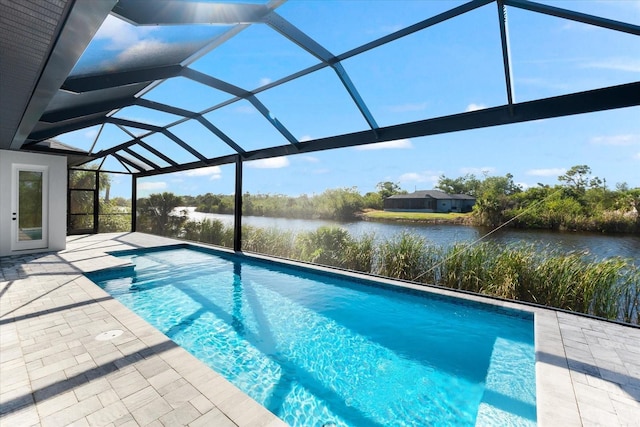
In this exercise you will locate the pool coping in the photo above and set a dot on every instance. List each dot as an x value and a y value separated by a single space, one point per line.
556 385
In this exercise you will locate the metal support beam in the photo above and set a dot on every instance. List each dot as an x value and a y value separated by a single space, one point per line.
207 80
111 79
96 203
156 152
131 163
133 124
298 37
213 129
506 53
165 108
143 159
241 94
272 119
429 22
237 211
134 203
184 145
190 114
355 96
64 128
87 110
627 95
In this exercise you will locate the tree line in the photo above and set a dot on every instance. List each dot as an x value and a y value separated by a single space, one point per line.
579 201
332 204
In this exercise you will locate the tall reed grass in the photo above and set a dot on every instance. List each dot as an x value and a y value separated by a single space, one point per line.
607 288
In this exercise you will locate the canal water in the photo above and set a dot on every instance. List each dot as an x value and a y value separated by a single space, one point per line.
598 246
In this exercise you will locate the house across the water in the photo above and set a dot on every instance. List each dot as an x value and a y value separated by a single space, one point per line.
429 201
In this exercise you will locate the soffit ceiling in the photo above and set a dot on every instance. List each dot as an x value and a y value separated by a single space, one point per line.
144 78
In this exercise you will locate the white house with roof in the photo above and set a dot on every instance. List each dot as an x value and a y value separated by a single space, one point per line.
429 201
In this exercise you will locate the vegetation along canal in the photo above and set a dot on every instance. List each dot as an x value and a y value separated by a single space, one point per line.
593 244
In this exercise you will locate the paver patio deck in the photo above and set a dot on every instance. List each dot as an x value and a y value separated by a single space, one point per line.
54 372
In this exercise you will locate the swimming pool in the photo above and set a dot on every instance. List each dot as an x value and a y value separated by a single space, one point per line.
322 349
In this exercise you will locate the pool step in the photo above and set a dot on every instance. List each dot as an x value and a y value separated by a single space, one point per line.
503 402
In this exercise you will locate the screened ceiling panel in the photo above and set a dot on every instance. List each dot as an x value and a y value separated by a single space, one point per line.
111 164
202 139
120 46
132 163
140 150
561 59
242 122
82 139
355 25
169 148
67 100
185 93
146 115
110 135
400 80
278 58
325 109
135 131
201 81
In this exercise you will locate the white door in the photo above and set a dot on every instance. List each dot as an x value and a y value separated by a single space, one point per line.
30 195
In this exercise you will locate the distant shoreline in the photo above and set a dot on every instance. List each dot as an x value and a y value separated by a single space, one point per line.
416 217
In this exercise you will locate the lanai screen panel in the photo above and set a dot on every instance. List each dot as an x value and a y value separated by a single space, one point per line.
267 79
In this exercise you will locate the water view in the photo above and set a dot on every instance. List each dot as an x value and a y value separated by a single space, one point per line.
599 246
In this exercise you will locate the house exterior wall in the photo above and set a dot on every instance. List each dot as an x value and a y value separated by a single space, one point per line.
444 205
57 198
428 204
410 205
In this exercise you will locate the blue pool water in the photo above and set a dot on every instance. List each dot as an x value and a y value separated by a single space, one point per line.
316 348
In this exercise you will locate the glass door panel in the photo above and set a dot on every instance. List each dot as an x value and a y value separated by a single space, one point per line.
29 214
30 205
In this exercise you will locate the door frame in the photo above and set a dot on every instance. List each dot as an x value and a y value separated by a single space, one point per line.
16 243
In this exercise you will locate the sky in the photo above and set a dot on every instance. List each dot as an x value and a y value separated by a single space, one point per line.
452 67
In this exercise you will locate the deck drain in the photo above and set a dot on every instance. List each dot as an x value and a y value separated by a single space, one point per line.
109 335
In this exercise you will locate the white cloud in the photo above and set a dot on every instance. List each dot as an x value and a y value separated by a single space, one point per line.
121 34
475 107
631 65
404 108
546 172
478 171
305 138
264 81
144 48
628 139
571 25
427 176
637 156
149 186
213 172
310 159
523 185
245 109
388 145
91 133
272 163
547 84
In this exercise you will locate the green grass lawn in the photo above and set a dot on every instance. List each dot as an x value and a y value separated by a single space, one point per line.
414 216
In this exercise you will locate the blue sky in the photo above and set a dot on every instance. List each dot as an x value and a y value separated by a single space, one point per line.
450 68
